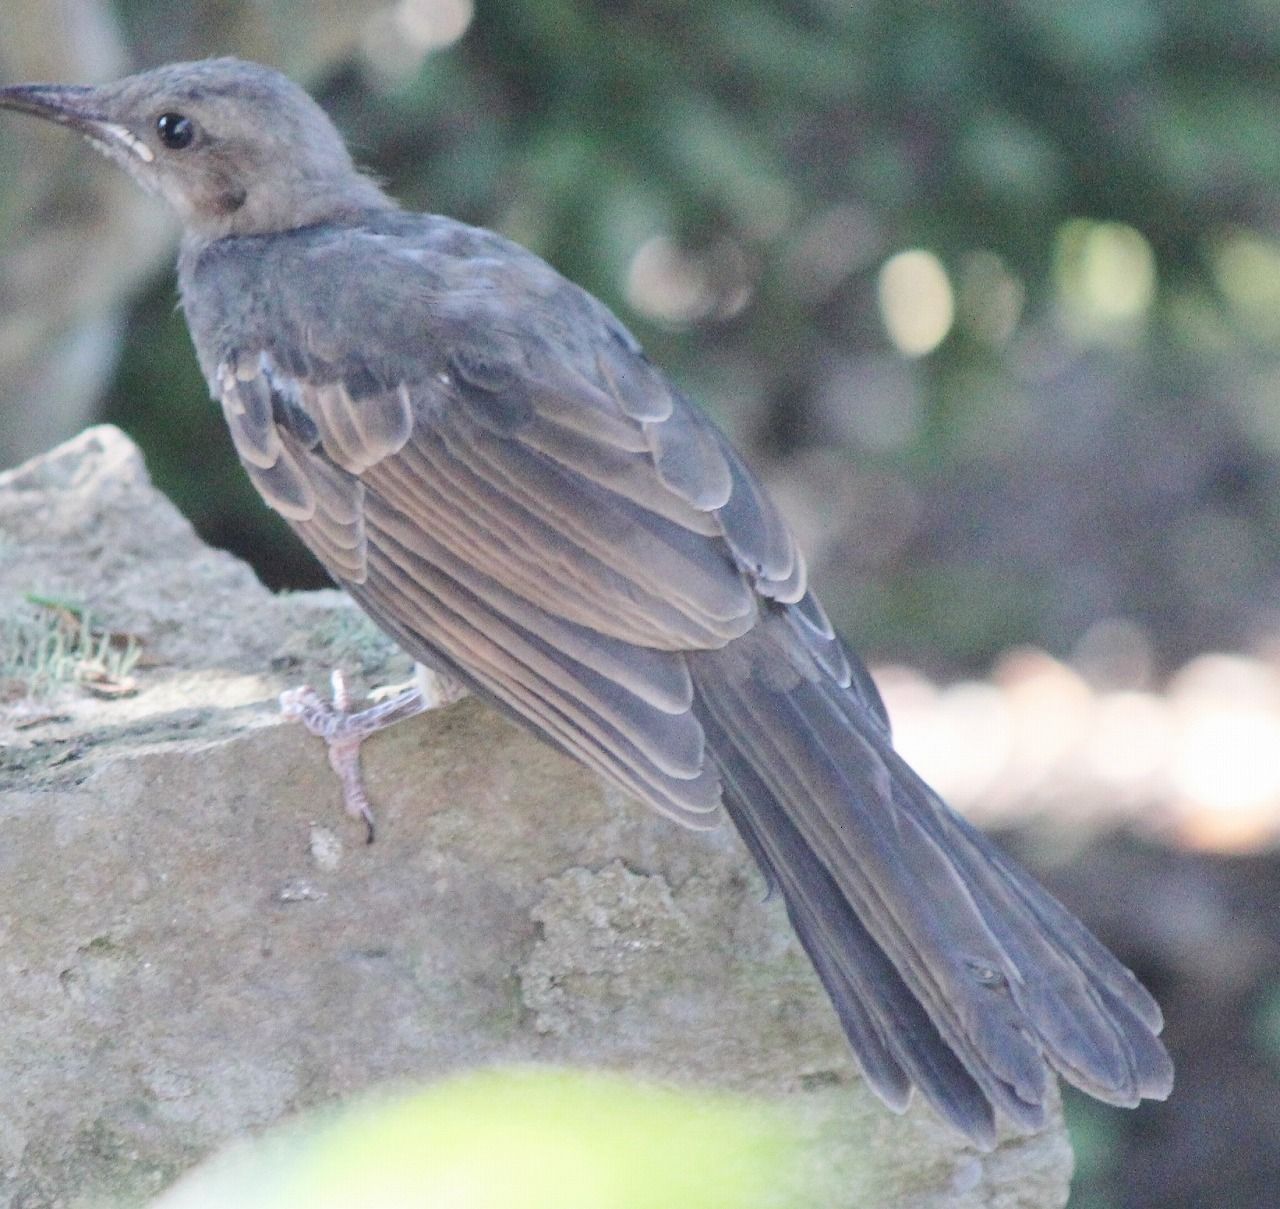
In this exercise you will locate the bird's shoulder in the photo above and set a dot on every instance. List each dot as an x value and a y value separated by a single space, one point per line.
400 283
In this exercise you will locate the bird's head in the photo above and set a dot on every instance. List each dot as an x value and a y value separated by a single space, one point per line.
234 147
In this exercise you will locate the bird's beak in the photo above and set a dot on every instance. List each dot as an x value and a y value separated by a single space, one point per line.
77 106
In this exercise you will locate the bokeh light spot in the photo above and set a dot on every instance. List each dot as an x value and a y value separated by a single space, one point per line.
398 39
667 284
991 298
917 303
1106 275
1247 270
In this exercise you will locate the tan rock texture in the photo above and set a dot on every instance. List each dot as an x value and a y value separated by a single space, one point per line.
196 942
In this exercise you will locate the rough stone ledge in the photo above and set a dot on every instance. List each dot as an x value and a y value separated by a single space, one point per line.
196 942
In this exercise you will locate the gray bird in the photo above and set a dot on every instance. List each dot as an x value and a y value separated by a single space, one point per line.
483 457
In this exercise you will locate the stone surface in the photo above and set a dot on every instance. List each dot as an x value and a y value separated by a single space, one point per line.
195 942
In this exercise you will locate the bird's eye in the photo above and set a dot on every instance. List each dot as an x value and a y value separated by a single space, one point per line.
175 131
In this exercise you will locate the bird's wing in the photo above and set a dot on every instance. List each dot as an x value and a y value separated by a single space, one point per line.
559 534
524 500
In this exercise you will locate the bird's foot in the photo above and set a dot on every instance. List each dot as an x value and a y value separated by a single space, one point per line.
344 728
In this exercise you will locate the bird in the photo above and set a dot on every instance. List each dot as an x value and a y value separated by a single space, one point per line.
482 455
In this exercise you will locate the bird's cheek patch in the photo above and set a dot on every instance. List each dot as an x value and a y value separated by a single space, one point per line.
224 190
231 199
207 190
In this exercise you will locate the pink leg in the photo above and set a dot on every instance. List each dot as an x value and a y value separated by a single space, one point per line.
344 728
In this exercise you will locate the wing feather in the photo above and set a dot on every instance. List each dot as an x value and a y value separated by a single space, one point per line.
659 678
628 472
530 555
507 666
463 537
649 550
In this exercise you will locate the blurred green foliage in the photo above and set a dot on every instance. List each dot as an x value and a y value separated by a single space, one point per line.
1058 459
1093 1139
1267 1025
536 1139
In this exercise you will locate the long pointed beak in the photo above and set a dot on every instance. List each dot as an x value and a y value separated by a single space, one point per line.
76 106
68 104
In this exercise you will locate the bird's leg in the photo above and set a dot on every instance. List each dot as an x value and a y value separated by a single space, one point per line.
344 728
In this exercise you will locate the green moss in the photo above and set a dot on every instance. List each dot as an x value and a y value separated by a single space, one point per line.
347 639
48 643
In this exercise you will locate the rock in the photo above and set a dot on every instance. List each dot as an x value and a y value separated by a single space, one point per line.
196 941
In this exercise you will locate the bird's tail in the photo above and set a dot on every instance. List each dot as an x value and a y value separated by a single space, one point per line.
950 969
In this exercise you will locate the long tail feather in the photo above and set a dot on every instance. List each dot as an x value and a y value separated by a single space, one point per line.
949 968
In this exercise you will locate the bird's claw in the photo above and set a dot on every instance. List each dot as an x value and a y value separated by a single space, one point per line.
344 728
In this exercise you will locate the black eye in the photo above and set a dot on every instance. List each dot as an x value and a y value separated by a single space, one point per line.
175 131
